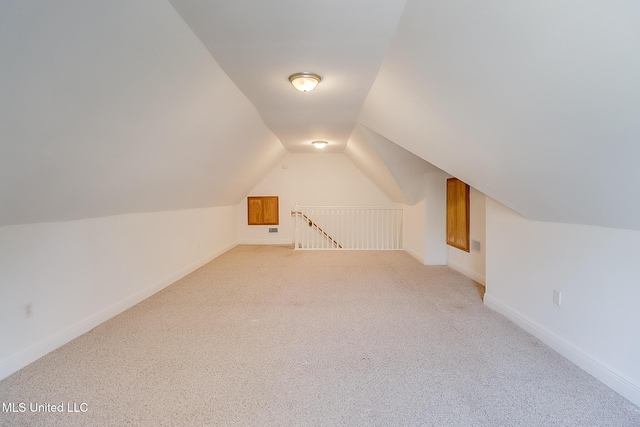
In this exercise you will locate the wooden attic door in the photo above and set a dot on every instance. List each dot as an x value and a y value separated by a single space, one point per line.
458 214
263 210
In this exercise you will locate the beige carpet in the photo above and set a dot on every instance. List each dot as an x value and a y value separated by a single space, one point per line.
267 335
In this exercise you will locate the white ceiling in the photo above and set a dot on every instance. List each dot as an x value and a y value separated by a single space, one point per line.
120 107
110 109
536 104
399 173
260 43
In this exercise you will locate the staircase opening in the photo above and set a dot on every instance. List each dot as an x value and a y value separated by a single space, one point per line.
344 227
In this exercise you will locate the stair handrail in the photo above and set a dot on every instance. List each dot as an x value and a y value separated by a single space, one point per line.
310 223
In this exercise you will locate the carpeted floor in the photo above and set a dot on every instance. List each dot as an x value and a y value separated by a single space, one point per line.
269 336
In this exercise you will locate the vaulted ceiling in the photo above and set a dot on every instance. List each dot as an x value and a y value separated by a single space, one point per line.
536 104
109 108
260 43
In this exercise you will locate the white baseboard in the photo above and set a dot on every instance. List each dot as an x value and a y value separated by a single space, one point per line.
34 353
599 370
415 254
469 273
266 242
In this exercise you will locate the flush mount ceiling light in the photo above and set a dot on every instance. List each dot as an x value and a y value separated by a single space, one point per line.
319 144
305 82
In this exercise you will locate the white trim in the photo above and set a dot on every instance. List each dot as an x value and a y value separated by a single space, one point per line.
469 273
35 352
415 254
609 376
266 242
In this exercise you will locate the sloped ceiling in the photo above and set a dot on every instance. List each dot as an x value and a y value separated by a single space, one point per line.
536 104
260 43
108 109
117 107
396 171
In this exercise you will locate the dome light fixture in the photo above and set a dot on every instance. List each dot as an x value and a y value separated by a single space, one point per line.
320 144
305 82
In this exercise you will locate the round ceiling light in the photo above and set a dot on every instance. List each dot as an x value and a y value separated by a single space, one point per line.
305 82
319 144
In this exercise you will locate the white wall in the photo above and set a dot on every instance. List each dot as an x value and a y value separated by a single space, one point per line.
425 227
318 179
436 217
472 264
597 271
77 274
414 230
425 223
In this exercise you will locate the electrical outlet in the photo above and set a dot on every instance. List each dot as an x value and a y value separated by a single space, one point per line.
28 310
557 297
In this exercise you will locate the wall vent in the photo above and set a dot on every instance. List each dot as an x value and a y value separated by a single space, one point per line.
273 230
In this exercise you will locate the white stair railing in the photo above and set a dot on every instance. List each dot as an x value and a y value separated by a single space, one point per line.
344 227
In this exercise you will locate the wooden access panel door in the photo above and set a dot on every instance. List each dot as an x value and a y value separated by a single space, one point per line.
458 214
263 210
